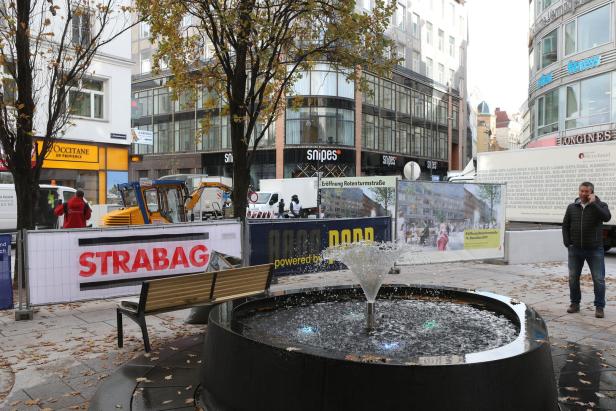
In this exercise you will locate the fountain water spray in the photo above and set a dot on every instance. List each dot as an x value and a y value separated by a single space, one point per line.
369 262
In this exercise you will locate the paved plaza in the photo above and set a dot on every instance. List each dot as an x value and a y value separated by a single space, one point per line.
58 360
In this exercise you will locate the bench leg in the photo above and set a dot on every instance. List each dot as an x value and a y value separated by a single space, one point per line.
120 329
144 332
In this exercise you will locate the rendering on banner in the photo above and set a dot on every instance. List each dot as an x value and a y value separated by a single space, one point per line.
451 222
352 197
294 247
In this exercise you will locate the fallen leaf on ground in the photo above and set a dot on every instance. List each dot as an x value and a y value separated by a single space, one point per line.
598 394
571 389
168 377
167 402
585 382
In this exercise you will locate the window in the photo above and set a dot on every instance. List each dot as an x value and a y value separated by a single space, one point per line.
429 67
320 125
429 33
589 31
547 113
451 77
186 20
461 25
452 46
82 24
572 107
399 16
452 13
594 101
415 61
367 4
185 135
146 61
415 25
87 99
531 61
8 87
145 30
443 9
441 73
548 49
441 40
543 4
142 174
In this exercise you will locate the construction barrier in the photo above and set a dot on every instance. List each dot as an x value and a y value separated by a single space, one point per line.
73 265
294 246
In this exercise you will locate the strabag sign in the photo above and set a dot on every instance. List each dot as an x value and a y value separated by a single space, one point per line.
74 265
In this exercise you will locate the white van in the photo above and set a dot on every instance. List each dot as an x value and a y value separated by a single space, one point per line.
44 216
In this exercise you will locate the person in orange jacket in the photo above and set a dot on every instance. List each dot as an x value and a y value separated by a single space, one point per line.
76 211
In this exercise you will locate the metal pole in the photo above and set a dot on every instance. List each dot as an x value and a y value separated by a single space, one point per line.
319 174
370 317
18 255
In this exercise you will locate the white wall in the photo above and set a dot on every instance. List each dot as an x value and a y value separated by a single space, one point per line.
534 246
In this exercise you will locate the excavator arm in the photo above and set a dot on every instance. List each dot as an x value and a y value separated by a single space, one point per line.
195 196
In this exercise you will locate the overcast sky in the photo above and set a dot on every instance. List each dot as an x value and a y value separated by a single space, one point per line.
498 53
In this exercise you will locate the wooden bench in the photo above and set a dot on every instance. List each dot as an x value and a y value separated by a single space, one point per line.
185 291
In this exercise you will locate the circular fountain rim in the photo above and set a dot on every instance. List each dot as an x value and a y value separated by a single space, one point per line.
527 320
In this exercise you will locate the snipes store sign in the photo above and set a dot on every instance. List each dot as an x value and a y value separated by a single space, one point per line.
597 137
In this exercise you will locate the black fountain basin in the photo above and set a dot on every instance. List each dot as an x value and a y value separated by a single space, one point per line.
242 371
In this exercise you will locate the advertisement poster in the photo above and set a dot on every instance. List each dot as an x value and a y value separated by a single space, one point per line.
294 247
449 221
74 265
351 197
6 288
113 179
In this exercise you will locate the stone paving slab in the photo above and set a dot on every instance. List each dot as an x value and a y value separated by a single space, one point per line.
74 345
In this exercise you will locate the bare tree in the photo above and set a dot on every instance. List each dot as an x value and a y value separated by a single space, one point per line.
259 48
46 49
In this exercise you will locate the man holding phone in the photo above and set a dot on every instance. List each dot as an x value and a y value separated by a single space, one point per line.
583 236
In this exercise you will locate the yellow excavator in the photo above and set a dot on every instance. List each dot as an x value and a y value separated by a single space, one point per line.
166 202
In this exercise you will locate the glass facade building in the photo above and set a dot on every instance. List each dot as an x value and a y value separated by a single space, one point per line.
416 114
572 90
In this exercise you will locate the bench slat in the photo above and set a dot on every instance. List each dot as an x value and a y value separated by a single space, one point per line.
180 288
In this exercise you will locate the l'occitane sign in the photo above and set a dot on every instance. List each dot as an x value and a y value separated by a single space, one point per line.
71 152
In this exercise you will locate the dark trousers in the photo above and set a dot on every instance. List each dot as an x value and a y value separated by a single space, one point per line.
595 257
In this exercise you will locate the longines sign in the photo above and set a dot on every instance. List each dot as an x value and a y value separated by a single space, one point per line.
558 11
597 137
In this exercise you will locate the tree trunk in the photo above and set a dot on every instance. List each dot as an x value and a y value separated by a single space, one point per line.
26 191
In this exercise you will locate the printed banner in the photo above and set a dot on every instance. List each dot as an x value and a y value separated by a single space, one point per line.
353 197
450 221
73 265
144 137
295 246
6 284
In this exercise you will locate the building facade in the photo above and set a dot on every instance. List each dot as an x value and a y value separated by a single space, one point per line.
572 91
419 114
92 154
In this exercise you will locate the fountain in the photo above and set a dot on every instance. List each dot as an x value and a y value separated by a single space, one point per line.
328 349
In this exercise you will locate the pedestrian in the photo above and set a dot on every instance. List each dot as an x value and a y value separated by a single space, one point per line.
281 208
583 236
295 207
76 211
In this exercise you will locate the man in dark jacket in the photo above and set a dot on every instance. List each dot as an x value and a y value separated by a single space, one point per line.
76 211
583 236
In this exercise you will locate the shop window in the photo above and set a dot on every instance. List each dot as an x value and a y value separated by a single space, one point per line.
595 99
371 94
185 135
323 83
163 172
368 131
548 49
320 125
589 30
547 113
162 101
588 102
142 174
163 138
87 98
81 27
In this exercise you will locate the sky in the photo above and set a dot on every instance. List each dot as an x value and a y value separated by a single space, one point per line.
498 53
